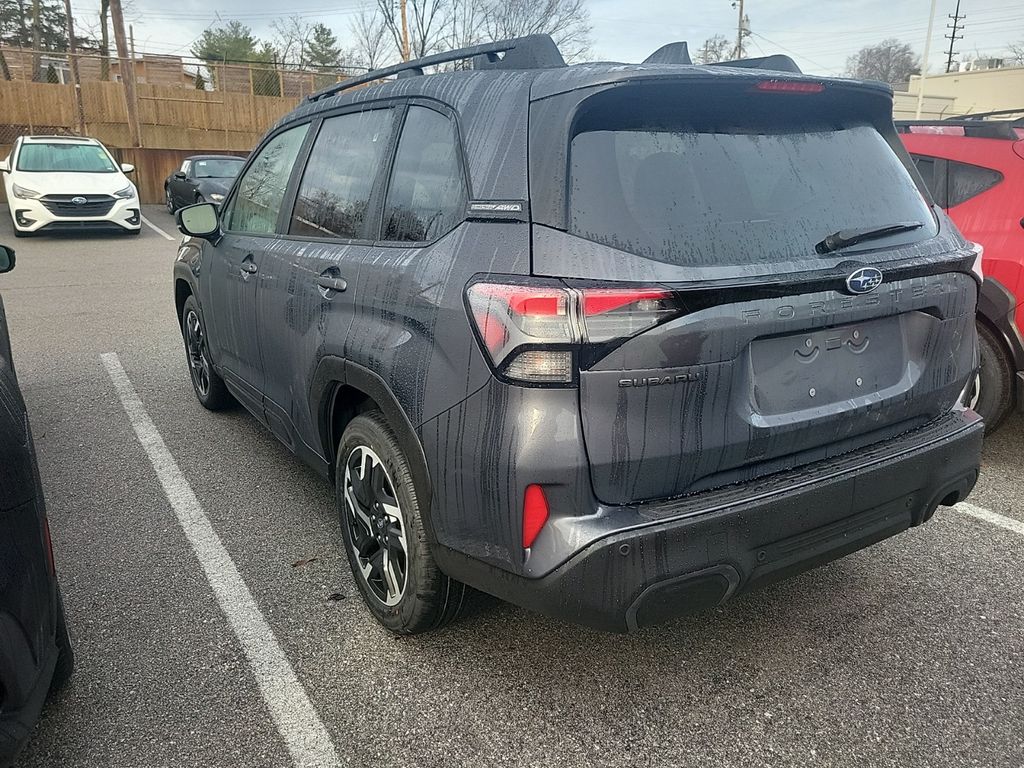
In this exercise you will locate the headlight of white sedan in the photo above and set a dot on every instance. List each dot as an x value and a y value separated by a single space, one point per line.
125 194
217 197
24 193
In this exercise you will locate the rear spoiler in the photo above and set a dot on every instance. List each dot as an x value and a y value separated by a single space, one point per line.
776 62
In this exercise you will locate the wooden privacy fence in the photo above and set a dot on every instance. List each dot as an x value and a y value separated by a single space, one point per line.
175 122
169 117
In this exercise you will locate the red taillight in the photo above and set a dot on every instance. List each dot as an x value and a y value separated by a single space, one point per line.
599 300
789 86
531 329
535 514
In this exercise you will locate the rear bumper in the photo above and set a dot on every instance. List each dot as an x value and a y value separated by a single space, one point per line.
688 554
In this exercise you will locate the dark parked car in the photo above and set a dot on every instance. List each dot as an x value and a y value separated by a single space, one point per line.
612 342
35 648
201 178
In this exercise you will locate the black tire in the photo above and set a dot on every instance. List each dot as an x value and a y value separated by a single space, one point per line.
65 649
994 396
428 599
209 387
169 201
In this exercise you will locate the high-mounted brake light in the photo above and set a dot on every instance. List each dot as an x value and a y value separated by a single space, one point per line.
535 514
789 86
531 329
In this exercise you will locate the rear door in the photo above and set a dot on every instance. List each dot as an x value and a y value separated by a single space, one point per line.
308 289
250 224
768 349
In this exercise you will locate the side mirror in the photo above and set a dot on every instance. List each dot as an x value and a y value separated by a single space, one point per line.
180 175
200 220
5 167
127 168
6 259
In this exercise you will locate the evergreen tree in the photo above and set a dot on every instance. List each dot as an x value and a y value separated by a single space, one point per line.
323 50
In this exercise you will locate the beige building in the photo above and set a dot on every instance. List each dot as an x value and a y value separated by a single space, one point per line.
963 93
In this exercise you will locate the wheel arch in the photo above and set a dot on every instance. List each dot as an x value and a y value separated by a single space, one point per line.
340 391
182 290
996 306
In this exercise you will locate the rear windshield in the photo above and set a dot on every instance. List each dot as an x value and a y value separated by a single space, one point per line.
61 157
738 198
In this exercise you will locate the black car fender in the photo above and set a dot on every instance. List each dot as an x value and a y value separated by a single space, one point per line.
333 373
996 305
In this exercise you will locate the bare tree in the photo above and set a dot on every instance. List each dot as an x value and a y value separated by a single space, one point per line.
1015 53
291 39
465 24
890 61
567 21
426 24
370 35
716 48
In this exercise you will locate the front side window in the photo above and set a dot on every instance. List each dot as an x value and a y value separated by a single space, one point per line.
64 157
334 194
255 207
427 195
185 166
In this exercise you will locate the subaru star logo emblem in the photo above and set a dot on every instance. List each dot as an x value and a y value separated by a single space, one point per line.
79 200
864 280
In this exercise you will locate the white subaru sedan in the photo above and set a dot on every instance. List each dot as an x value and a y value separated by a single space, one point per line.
68 183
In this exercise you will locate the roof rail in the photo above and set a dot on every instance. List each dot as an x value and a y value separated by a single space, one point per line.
983 115
673 53
530 52
776 62
975 129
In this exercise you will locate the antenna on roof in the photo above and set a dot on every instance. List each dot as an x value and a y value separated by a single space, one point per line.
673 53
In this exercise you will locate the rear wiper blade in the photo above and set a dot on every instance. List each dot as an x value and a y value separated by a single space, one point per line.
846 237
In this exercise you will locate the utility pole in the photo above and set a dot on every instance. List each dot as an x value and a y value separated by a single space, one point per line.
924 61
127 73
73 68
35 41
405 33
953 36
742 28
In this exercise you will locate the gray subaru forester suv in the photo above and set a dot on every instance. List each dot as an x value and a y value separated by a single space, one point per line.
612 342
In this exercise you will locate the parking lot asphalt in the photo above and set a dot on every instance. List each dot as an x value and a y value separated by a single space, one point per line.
906 654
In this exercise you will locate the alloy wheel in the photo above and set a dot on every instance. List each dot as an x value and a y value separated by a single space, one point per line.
198 358
375 524
169 200
974 394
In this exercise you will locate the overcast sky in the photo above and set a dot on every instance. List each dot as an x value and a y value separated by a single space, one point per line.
819 34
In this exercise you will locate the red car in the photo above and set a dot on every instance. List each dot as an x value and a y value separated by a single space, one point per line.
974 168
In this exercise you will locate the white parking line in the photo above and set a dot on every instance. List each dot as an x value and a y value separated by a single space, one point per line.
994 518
156 229
293 713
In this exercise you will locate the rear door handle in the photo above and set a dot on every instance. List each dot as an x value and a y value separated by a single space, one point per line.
249 266
330 282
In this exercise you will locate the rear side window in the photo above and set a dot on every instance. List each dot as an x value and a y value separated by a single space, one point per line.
691 197
255 207
335 191
427 195
933 171
967 181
